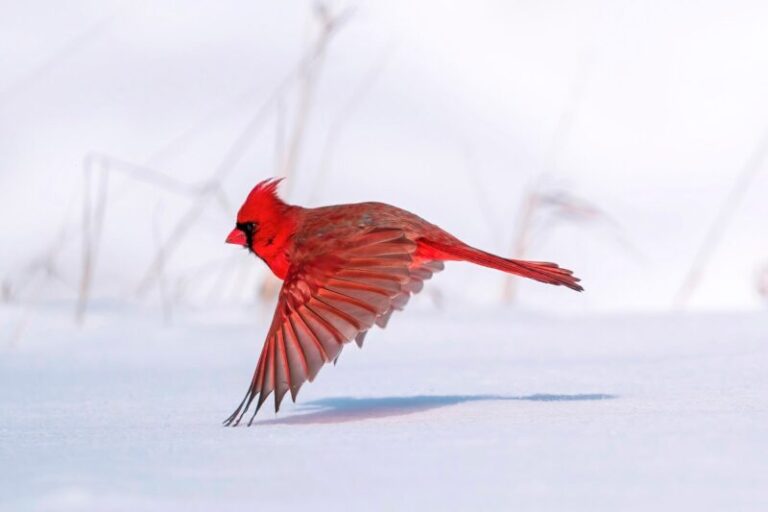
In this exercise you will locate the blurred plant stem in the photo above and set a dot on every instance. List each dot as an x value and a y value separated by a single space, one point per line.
722 221
521 241
308 78
96 169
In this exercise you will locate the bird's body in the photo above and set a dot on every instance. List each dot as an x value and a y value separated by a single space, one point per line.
345 269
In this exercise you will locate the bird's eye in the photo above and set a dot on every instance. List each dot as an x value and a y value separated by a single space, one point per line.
247 227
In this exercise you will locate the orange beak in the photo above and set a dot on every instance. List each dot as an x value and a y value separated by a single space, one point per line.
237 237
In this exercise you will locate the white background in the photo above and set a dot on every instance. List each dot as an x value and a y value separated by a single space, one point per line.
647 110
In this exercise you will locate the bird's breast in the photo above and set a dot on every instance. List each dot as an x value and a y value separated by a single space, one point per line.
277 259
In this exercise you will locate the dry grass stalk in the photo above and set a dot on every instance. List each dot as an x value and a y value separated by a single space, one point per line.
762 282
536 200
97 168
541 210
93 221
521 241
241 144
308 77
6 291
165 298
722 222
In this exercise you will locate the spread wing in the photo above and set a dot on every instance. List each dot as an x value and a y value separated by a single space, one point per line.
419 271
328 299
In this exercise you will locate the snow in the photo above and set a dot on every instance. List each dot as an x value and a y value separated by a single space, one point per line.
454 409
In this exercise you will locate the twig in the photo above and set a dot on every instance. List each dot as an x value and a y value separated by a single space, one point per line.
762 282
193 213
162 279
521 240
722 222
145 174
178 142
569 113
279 134
532 199
241 144
6 291
308 77
93 221
484 203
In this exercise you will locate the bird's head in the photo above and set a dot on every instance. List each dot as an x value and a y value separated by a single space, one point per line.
262 220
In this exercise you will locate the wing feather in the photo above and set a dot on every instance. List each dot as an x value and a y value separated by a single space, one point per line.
331 298
419 272
268 374
297 359
313 348
282 370
343 325
361 316
329 338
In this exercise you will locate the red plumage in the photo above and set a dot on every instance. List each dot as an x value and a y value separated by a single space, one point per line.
345 269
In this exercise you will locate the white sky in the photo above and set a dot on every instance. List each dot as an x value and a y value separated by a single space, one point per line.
666 102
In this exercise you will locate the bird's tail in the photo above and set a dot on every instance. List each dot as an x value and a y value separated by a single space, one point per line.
545 272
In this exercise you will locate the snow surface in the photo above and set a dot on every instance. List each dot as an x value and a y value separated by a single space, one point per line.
448 410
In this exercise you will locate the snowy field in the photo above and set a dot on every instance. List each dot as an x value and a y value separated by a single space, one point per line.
446 410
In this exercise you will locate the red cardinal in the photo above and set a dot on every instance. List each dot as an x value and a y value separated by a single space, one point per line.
345 268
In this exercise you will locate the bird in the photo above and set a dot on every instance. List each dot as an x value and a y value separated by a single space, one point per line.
345 269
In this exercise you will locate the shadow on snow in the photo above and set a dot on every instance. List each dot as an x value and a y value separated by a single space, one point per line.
346 409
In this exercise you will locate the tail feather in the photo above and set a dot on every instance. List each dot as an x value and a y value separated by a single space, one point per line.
543 271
